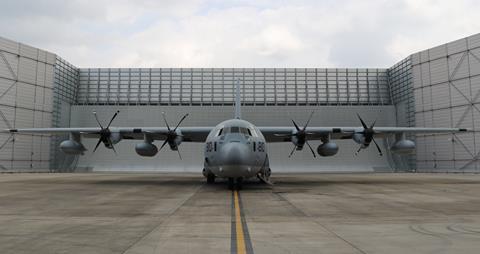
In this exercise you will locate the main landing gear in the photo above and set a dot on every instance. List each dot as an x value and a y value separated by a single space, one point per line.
210 178
235 183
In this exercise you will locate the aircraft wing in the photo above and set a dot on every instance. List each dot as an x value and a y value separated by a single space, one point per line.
284 134
189 134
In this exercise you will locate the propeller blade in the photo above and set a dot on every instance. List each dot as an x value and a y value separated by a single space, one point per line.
111 145
181 120
179 155
373 124
360 148
311 149
98 143
363 123
308 121
296 126
291 153
113 117
96 118
164 143
165 120
378 147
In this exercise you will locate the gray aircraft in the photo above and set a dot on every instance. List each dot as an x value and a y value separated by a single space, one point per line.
236 149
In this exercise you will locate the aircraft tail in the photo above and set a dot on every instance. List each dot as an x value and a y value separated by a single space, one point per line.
238 111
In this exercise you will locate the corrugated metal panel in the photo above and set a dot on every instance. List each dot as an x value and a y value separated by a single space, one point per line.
453 62
424 56
460 92
22 165
39 97
437 52
8 45
25 95
427 98
443 147
475 86
474 60
12 63
418 99
428 116
417 76
8 97
8 114
37 148
425 67
420 119
51 58
45 152
22 147
40 74
439 71
441 118
473 41
23 118
464 146
462 117
28 51
444 166
42 55
7 141
415 58
48 100
49 76
47 120
421 150
38 122
441 96
457 46
27 70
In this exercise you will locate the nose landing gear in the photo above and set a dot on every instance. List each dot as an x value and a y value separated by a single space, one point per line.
235 183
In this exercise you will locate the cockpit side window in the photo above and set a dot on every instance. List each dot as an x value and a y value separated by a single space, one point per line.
220 132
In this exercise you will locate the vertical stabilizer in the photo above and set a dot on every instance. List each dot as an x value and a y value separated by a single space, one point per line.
238 111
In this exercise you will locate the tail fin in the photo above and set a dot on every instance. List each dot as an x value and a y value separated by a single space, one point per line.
238 111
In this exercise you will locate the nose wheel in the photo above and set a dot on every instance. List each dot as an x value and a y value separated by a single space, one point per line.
235 183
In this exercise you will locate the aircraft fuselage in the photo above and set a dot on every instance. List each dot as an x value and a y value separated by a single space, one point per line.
235 149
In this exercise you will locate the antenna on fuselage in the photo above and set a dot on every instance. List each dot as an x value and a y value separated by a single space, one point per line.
238 111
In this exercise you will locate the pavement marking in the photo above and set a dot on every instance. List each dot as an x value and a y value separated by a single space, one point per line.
241 243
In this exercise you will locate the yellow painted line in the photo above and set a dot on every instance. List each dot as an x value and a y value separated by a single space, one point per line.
241 247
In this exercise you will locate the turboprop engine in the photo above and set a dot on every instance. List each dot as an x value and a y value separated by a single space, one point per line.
327 149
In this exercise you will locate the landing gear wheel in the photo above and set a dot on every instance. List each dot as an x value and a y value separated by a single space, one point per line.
231 183
239 183
210 178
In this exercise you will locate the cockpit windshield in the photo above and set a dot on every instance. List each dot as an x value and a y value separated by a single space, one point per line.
235 129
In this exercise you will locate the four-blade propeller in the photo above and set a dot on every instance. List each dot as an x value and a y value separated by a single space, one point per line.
301 136
171 135
368 133
105 133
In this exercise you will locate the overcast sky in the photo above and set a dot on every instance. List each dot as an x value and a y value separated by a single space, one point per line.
250 33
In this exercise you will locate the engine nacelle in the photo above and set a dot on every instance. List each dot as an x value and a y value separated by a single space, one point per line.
359 138
146 149
115 137
403 146
72 147
327 149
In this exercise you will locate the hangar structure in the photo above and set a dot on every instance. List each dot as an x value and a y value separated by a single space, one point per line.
437 87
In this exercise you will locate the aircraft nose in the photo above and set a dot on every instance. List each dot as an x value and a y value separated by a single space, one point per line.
235 154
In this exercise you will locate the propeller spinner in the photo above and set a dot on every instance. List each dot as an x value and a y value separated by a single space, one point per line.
105 133
171 135
301 136
368 133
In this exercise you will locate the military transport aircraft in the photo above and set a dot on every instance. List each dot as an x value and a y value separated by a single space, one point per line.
235 149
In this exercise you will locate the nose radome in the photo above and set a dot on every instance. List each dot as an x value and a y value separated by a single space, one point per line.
234 154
